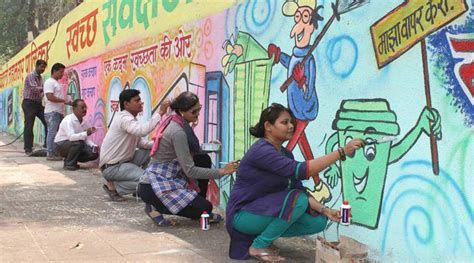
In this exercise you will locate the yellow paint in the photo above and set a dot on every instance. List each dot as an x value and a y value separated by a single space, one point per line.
409 23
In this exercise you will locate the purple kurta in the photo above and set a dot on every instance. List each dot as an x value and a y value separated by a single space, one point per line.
268 183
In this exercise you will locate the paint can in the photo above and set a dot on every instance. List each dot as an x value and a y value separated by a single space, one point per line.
345 213
205 221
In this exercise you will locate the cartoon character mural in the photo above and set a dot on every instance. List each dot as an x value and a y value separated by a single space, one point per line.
363 174
252 76
302 96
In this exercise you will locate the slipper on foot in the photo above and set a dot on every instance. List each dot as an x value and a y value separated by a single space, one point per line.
215 218
156 216
267 257
114 196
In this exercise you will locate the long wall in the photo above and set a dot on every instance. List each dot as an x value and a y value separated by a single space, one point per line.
386 68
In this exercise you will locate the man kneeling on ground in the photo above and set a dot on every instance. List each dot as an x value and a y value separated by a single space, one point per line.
121 162
72 141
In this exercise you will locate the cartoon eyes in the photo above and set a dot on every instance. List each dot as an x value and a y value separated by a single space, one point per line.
348 139
369 151
305 15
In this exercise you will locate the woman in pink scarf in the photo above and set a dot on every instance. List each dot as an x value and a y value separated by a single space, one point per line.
169 183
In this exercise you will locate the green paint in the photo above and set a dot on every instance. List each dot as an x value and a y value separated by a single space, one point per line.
170 5
142 13
154 8
252 76
111 7
364 174
125 22
459 157
129 11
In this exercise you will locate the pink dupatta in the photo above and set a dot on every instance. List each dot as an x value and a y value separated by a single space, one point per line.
160 130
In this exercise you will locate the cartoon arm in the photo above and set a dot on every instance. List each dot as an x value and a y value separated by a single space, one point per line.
333 173
279 57
285 59
422 126
310 72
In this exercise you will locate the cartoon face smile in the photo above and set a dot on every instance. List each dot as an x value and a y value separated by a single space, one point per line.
300 36
363 175
360 183
303 28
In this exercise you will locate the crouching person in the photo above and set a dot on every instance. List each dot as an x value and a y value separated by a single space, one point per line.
72 141
124 150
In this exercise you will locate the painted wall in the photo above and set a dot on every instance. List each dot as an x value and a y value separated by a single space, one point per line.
365 79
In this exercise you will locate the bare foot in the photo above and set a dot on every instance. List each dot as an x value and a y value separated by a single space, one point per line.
265 255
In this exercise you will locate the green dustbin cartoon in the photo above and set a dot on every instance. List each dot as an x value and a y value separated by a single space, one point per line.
363 174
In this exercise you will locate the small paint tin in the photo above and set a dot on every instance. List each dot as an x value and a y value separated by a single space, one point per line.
345 213
204 221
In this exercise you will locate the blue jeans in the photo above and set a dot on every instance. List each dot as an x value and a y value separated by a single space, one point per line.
53 119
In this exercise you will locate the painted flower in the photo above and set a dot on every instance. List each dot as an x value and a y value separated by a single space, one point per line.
233 52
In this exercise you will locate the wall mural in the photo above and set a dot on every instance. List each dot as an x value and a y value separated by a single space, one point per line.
346 68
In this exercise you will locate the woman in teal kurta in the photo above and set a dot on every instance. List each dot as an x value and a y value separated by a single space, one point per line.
268 200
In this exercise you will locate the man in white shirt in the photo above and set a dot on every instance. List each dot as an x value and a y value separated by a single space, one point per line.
72 139
54 108
121 162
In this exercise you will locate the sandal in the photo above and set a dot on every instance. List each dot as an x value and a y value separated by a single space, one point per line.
156 216
114 196
267 257
215 218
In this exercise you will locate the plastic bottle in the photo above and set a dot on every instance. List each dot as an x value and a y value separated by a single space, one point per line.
345 213
205 221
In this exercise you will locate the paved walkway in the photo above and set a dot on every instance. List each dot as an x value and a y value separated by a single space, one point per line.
48 214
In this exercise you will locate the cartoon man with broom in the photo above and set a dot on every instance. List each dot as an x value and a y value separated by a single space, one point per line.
301 83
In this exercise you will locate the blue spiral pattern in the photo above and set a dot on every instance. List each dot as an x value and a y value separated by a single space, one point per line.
342 54
257 16
434 210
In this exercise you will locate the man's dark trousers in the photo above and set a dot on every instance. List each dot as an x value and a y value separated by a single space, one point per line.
32 109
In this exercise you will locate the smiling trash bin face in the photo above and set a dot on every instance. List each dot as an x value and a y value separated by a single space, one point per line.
364 173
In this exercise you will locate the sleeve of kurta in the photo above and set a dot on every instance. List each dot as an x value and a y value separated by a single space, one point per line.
181 148
269 159
294 183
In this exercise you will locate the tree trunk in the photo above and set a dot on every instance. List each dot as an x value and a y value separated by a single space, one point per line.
31 18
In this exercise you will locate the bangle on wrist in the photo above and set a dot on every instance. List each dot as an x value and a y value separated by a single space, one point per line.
342 154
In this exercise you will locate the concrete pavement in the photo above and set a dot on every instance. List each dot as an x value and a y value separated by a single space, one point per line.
49 214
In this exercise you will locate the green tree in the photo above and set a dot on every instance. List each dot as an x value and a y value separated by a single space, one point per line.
18 17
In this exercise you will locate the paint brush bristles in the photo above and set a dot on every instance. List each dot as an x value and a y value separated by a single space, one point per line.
344 6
